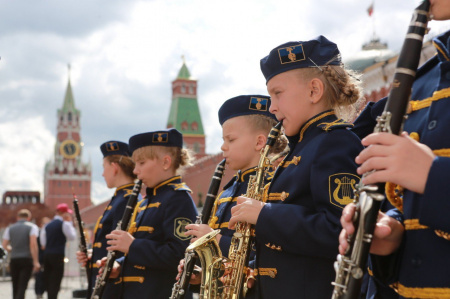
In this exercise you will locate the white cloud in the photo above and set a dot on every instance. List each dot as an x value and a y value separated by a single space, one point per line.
25 146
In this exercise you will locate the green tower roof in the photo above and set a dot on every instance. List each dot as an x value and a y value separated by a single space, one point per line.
184 72
69 103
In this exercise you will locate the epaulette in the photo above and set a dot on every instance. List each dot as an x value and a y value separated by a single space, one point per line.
180 187
337 124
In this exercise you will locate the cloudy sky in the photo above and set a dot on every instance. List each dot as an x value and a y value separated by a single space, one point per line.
124 55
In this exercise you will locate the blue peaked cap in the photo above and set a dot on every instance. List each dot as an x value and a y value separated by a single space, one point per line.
170 137
301 54
114 147
245 105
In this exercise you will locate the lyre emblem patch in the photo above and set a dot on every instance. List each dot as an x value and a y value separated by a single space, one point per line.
291 54
160 137
259 104
179 228
112 146
341 188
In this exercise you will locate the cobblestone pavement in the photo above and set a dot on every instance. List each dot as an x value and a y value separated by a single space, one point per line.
68 285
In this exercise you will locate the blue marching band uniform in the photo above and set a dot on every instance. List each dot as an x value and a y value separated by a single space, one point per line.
238 106
150 267
108 221
151 264
422 264
297 230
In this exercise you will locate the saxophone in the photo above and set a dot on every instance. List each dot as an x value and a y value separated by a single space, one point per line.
234 283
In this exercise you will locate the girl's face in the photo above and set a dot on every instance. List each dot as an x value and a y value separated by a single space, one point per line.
291 100
150 171
240 144
109 172
440 9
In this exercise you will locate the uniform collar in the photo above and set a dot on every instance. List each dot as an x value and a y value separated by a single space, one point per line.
176 179
327 116
123 187
242 176
442 44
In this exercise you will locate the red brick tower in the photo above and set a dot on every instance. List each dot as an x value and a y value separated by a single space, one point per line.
66 173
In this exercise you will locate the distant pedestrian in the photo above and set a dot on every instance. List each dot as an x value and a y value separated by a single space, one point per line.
53 239
39 284
20 240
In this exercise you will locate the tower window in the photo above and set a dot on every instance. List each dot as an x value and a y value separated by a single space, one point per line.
191 88
194 126
69 116
184 126
183 88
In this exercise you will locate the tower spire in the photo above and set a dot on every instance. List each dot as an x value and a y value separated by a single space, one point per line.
184 72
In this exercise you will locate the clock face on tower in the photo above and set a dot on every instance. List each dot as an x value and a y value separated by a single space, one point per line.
69 149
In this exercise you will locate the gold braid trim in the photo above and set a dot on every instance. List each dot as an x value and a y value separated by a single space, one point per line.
213 219
442 234
295 161
272 272
421 104
278 196
97 223
306 126
394 194
441 51
422 293
413 224
148 229
133 279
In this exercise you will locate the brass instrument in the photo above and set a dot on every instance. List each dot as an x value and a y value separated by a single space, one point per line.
234 283
191 257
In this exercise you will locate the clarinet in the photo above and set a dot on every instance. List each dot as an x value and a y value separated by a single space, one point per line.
123 225
350 267
82 245
191 257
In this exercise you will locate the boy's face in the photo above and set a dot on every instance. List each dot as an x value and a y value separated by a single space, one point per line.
291 102
150 171
440 9
239 143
